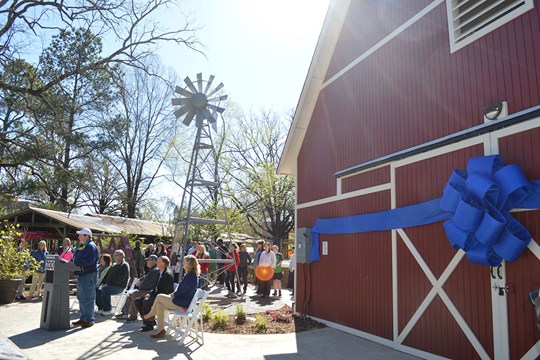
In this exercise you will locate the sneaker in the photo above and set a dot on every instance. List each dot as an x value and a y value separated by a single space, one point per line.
107 313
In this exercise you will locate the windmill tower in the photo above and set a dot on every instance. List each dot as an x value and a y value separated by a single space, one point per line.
202 195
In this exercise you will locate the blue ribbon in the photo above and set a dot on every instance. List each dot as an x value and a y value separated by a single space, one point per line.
475 205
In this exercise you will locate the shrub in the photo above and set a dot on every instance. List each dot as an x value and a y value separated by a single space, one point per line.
260 322
220 319
278 317
240 312
14 264
206 312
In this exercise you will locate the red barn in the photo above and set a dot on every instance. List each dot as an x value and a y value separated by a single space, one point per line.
395 99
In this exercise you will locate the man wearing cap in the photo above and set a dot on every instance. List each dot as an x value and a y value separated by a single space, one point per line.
86 259
144 286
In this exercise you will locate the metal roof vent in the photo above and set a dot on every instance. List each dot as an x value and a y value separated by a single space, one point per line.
468 20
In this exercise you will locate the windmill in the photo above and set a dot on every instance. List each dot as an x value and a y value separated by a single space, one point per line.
202 192
197 103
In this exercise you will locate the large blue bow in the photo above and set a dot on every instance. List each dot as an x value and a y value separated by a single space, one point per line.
480 200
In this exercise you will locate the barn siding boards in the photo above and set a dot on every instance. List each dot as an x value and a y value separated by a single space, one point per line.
412 90
522 277
354 292
367 23
379 201
417 182
524 149
366 179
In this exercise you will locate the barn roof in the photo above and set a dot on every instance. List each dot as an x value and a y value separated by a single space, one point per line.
100 223
313 84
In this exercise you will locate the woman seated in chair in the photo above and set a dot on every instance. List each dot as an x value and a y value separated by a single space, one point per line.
178 300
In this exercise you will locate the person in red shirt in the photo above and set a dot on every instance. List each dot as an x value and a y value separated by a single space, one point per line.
202 254
231 268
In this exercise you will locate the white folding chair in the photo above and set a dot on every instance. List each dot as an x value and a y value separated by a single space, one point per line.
122 297
182 323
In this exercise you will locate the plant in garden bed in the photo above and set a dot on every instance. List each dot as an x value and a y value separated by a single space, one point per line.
220 319
260 322
206 312
286 318
240 314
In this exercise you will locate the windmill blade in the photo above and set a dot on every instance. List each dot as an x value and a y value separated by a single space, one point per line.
215 90
214 123
180 101
183 92
221 98
209 83
199 81
216 108
190 85
179 112
189 117
208 115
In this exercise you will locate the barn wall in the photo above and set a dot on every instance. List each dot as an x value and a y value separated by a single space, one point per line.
355 291
412 90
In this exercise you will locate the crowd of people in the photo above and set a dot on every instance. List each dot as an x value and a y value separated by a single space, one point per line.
99 277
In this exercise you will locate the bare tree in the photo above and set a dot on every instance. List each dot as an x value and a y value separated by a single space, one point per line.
131 25
251 159
143 133
103 188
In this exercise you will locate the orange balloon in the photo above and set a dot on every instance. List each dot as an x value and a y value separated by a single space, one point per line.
264 273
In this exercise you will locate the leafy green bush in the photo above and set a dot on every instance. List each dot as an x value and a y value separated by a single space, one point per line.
14 264
220 319
260 322
206 312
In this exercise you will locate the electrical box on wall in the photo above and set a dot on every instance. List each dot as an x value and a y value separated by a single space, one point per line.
303 245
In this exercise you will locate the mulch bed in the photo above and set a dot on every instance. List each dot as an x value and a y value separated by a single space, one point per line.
280 321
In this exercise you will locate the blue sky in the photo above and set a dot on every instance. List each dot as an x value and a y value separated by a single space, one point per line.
260 50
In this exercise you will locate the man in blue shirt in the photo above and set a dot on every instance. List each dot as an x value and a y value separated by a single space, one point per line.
86 259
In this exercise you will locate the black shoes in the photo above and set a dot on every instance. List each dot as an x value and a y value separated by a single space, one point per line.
147 328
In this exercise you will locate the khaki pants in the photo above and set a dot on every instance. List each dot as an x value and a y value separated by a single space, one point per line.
37 284
130 308
163 302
